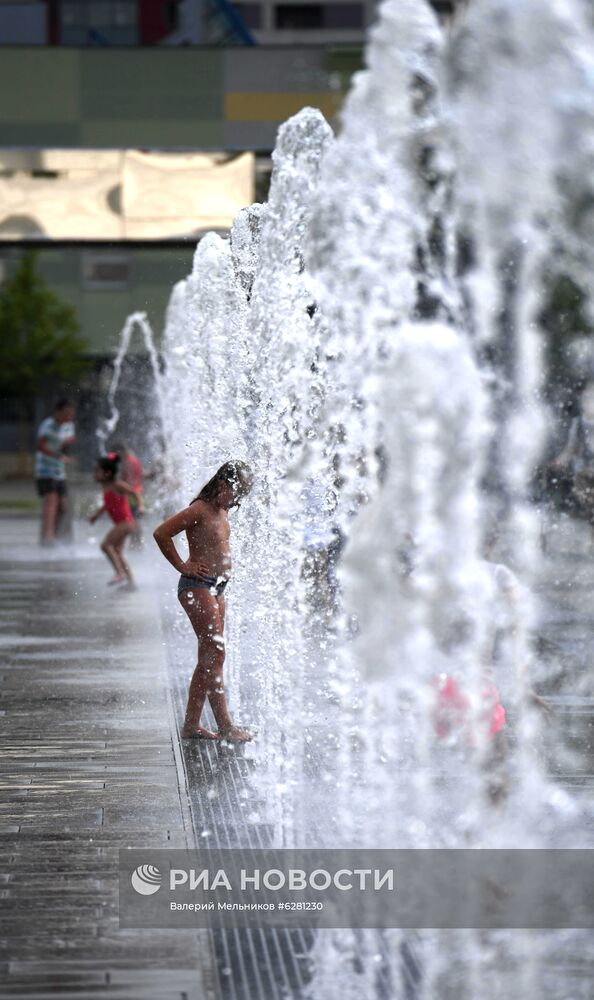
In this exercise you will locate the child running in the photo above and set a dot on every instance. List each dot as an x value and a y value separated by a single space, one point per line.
201 592
117 505
132 471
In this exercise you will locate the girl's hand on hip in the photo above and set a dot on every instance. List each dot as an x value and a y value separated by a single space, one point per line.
192 568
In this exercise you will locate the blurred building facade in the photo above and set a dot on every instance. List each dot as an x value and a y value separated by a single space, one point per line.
181 22
188 22
114 161
130 127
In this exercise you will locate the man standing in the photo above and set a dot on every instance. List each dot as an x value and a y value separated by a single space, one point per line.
54 438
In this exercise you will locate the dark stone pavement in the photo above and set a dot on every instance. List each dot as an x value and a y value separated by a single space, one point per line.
90 763
91 696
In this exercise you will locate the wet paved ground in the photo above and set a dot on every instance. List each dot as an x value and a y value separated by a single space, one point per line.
88 766
91 702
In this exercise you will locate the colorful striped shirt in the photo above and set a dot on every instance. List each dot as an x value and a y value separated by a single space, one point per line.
54 435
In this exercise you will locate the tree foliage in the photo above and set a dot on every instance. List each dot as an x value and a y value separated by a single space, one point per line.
39 335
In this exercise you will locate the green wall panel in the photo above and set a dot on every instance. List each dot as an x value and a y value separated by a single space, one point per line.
39 85
40 134
102 313
148 84
159 133
156 97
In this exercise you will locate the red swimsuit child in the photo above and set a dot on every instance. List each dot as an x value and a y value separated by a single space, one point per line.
117 506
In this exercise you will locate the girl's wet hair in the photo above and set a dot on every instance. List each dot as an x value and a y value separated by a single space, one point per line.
109 463
236 474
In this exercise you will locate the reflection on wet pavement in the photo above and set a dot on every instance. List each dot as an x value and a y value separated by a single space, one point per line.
91 762
88 766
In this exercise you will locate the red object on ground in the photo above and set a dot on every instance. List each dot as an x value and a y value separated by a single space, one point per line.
452 707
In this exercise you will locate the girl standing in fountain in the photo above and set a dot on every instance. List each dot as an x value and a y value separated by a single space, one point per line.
116 503
200 590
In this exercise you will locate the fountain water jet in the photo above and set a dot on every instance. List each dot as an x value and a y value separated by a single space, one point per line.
108 425
304 346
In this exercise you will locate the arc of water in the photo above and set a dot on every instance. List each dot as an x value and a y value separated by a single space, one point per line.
137 320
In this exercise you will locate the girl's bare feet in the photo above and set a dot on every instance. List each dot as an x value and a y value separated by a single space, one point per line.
190 732
235 735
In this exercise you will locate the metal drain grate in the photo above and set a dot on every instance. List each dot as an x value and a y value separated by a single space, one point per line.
264 963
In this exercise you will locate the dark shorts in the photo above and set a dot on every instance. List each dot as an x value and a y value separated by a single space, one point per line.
45 486
215 584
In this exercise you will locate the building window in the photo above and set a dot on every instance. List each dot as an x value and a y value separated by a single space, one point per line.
294 16
113 22
123 14
329 17
23 22
171 14
250 14
344 16
102 271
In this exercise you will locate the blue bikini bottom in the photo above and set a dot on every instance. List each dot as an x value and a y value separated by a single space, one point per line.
216 584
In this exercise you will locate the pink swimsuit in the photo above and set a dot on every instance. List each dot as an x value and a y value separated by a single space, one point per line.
451 710
118 507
